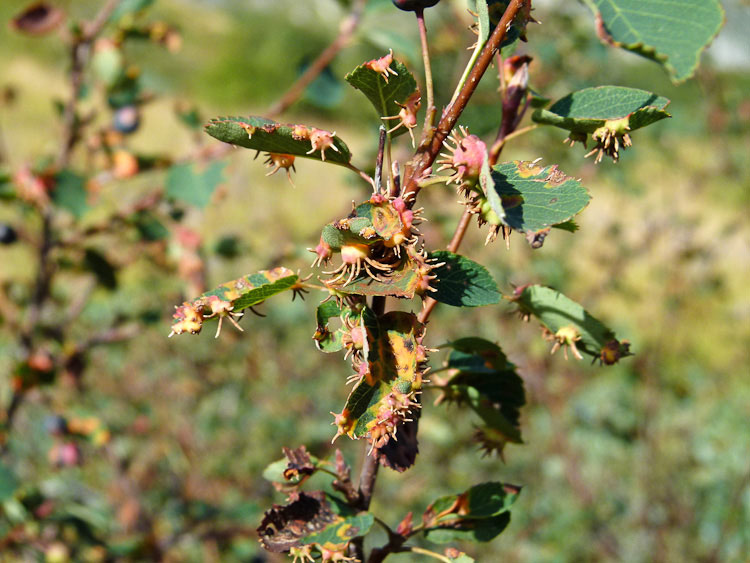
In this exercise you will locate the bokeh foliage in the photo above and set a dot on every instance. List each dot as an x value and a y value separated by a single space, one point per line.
646 461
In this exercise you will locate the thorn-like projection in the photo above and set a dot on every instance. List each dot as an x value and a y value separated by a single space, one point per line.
277 161
564 338
222 309
320 141
465 157
407 116
383 66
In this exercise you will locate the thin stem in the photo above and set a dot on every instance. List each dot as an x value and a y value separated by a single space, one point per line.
364 175
379 161
500 143
80 48
429 553
79 52
346 31
427 153
367 478
429 114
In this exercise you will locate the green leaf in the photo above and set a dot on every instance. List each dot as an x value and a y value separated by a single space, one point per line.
490 12
394 367
326 91
347 526
461 282
384 95
126 7
584 111
490 193
672 33
254 288
488 382
264 134
192 185
232 297
7 189
479 514
8 483
400 282
480 8
483 530
556 311
108 63
536 197
325 340
70 193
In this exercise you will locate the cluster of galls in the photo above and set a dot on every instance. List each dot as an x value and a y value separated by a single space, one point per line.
397 406
328 553
465 158
609 138
375 240
320 140
567 337
189 317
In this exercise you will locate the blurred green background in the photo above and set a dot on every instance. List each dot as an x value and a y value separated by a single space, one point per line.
648 460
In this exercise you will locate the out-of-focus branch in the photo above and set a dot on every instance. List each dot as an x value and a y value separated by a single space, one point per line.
80 51
346 30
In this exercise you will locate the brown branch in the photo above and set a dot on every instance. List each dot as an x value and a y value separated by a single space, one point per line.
80 50
429 150
346 30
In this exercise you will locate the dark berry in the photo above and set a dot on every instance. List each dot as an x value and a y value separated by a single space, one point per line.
414 5
8 234
126 119
55 425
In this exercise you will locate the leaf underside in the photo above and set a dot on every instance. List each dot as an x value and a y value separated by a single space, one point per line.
489 384
555 311
584 111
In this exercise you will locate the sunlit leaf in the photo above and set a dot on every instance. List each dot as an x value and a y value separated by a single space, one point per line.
536 197
584 111
461 282
673 33
384 95
562 316
267 135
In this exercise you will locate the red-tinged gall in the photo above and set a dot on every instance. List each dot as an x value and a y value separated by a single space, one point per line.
321 141
407 116
466 157
383 66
